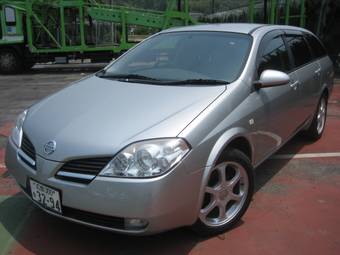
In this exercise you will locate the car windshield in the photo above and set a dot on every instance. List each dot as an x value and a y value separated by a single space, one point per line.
184 57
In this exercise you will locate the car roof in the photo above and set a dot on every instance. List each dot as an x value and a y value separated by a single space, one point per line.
243 28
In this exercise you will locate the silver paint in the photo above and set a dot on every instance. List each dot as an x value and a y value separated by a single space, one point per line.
96 117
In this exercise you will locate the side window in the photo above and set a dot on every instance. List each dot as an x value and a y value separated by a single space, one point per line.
10 16
0 22
274 56
300 49
317 48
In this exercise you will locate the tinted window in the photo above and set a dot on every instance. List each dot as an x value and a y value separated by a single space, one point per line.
316 46
187 55
300 50
0 23
10 16
274 56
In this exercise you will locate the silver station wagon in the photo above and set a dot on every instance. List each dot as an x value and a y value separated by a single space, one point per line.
169 134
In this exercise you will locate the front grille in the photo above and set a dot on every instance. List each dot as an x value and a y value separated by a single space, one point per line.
28 148
94 218
82 170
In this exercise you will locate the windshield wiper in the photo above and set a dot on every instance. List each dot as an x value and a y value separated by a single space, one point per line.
199 82
137 77
126 77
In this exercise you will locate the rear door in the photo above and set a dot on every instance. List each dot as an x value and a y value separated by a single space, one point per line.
320 55
308 72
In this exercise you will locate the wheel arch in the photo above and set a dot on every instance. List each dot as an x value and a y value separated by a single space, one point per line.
325 92
17 48
233 138
242 144
237 138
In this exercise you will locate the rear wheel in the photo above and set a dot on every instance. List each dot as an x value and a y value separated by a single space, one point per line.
319 120
10 62
227 194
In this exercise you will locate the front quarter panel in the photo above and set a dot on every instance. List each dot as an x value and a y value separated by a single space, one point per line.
238 112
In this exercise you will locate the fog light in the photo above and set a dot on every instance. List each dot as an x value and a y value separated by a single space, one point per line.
135 224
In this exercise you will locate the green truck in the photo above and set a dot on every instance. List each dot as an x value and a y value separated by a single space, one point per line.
41 31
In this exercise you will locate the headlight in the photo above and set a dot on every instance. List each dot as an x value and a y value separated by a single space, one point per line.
147 158
17 130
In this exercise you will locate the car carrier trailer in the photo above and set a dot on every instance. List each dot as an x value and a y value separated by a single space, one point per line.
42 31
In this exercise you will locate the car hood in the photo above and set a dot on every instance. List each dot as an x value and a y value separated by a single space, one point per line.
97 117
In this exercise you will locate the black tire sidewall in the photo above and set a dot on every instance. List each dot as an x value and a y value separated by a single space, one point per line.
17 67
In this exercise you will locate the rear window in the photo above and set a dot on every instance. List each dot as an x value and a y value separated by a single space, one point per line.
300 49
317 48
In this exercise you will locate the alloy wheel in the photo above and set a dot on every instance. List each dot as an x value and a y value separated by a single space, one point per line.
321 115
225 194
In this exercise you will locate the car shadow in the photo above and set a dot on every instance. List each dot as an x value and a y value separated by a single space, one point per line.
44 234
270 167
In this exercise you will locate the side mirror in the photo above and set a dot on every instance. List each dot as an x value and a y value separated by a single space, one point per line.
272 78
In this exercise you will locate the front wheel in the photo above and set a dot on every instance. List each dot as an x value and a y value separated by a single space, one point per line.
227 194
10 62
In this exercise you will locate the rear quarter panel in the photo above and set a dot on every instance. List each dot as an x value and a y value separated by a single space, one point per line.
327 74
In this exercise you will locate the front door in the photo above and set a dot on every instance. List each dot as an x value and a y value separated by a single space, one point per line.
280 103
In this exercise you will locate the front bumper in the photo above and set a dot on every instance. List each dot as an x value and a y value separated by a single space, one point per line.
166 202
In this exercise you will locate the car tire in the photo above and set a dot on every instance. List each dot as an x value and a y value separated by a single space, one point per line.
225 202
315 130
10 62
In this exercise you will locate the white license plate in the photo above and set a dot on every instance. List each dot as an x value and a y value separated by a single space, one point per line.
47 197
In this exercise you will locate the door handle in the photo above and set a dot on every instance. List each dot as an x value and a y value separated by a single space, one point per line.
317 72
294 85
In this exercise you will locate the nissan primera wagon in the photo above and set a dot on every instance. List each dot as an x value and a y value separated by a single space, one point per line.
169 134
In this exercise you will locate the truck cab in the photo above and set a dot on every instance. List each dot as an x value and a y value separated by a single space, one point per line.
11 39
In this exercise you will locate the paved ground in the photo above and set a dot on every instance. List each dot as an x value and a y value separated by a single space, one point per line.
296 208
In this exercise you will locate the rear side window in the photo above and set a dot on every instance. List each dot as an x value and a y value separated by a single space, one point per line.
300 49
274 56
317 48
